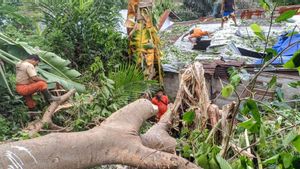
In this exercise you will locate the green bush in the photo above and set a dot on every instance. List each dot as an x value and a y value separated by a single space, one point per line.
186 14
81 32
109 93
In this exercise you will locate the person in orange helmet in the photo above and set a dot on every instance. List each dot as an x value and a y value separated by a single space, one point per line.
28 82
196 33
161 101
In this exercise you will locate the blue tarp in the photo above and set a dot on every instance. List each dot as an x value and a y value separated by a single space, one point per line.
282 43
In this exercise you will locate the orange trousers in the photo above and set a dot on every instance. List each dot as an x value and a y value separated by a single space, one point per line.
28 90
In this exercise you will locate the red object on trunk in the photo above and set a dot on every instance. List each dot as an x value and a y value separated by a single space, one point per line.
162 105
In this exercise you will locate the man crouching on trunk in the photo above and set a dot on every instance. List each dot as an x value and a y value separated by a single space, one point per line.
28 82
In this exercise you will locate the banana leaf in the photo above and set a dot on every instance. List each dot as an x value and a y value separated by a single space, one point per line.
68 84
58 65
3 81
52 67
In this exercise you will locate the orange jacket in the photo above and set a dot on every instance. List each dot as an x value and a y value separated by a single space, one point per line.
162 105
198 33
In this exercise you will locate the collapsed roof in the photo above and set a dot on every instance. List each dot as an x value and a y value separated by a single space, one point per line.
230 43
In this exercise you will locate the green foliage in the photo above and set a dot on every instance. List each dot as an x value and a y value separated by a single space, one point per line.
272 82
4 128
193 146
294 62
286 15
295 84
250 108
13 116
53 68
223 163
283 159
159 8
270 54
82 31
129 83
243 163
258 31
287 159
9 14
122 86
296 143
236 75
285 2
264 4
201 7
227 90
3 80
271 160
188 117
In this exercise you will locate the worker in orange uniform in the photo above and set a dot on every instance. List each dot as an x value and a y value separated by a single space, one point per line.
28 82
196 33
161 101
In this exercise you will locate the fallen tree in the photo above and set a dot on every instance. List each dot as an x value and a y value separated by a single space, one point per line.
35 126
115 141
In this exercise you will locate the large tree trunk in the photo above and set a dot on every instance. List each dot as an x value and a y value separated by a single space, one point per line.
115 141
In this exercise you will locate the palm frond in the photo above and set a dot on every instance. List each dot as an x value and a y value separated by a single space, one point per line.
130 83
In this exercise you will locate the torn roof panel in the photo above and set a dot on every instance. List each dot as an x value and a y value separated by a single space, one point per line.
165 21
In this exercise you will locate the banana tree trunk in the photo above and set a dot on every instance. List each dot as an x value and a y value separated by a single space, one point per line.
144 42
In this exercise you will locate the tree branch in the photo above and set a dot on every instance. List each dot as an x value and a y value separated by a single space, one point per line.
36 126
115 141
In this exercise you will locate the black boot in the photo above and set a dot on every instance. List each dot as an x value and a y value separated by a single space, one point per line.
48 96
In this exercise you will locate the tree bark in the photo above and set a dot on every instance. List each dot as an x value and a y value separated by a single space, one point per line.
157 137
115 141
36 126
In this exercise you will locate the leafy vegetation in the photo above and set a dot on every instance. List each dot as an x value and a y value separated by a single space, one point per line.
85 33
267 129
82 31
122 86
202 8
53 68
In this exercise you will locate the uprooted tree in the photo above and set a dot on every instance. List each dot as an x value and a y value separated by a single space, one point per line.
115 141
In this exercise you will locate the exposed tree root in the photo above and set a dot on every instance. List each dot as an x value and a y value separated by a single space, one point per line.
193 95
227 117
115 141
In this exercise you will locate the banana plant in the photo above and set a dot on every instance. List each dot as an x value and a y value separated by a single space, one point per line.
3 81
144 42
53 68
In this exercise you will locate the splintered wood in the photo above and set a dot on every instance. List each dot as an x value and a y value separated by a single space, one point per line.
193 95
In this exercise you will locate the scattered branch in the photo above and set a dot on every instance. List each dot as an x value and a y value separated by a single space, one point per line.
37 125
